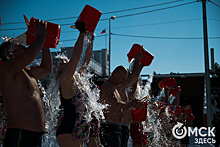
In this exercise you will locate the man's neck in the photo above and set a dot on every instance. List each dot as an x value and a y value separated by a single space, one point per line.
112 82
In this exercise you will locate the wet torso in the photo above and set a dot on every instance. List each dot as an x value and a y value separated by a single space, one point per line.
112 113
22 101
126 113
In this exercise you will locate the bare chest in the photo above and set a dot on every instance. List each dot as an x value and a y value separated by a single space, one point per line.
26 82
21 84
117 95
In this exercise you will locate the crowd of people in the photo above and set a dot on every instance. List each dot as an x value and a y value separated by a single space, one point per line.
24 112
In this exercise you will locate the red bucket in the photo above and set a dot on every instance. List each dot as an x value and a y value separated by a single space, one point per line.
139 114
147 56
191 117
173 91
53 34
175 109
91 17
188 110
4 130
169 82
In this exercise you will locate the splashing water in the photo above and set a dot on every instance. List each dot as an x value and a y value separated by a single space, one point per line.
51 100
158 123
87 40
93 106
21 39
5 39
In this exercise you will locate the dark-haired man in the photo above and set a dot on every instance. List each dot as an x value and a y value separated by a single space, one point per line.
20 91
110 129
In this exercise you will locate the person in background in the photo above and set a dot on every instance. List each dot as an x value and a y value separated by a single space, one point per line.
110 131
139 137
126 97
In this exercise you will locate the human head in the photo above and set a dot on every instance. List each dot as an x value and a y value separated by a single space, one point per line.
10 50
4 46
58 63
119 75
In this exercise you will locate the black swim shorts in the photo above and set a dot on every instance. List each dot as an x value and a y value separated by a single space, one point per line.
22 138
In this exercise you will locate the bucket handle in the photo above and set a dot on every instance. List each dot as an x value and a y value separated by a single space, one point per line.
26 21
142 47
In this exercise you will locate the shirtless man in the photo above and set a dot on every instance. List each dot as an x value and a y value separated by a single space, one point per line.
20 92
110 129
125 97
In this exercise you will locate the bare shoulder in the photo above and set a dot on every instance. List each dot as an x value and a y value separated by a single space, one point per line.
4 74
106 91
107 87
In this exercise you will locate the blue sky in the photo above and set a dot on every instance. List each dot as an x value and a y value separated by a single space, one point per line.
176 55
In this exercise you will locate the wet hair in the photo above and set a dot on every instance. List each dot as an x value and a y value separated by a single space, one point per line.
119 68
56 64
3 46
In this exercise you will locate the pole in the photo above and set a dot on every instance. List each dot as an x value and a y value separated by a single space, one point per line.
207 72
105 39
212 61
109 45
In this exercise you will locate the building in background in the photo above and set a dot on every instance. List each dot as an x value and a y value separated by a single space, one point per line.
99 64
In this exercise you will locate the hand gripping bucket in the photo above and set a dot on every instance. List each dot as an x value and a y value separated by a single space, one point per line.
173 91
53 34
90 16
139 114
147 57
175 109
169 82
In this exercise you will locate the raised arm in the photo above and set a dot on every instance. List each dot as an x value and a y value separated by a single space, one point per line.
166 90
67 79
46 66
17 63
134 86
132 91
86 59
107 96
177 99
134 75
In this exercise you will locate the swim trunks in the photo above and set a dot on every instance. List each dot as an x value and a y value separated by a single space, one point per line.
125 134
22 138
137 134
110 134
